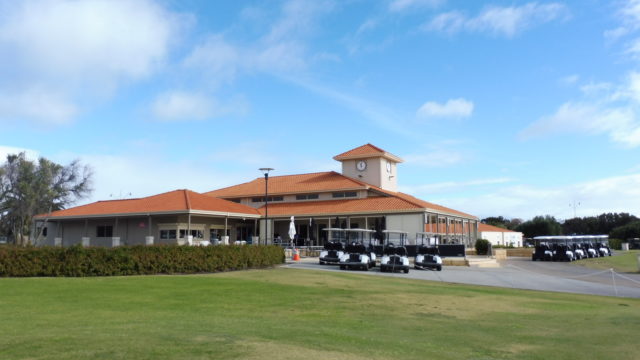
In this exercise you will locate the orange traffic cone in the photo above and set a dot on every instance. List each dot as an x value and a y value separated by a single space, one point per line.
296 256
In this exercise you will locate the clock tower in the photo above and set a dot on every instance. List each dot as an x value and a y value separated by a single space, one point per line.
370 164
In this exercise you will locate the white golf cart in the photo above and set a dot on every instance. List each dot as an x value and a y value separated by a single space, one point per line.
364 237
427 253
394 254
602 244
334 247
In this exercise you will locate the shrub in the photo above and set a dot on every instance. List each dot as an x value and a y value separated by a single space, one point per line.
616 244
482 246
133 260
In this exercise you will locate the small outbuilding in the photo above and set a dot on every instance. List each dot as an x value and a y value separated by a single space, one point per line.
500 236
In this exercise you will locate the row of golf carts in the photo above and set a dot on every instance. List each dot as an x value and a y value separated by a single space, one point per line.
570 248
359 249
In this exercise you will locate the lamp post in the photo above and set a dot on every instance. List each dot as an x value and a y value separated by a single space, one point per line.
266 203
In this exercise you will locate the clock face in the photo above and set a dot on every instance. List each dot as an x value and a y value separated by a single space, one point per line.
361 165
388 167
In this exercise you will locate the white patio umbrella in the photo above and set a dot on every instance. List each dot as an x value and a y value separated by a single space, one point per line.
292 229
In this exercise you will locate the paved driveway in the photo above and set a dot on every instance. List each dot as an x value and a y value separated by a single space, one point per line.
519 273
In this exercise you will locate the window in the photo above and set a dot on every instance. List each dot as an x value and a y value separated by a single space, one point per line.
307 197
271 198
167 234
104 231
345 194
197 234
235 200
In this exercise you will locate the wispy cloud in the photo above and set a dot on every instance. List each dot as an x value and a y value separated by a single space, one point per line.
613 194
613 113
12 150
185 106
505 21
452 186
403 5
569 79
453 108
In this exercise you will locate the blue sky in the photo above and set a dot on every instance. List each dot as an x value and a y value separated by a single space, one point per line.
511 108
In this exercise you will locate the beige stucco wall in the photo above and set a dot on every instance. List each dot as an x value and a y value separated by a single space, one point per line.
375 173
411 223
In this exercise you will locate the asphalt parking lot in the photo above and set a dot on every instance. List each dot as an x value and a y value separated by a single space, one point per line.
519 273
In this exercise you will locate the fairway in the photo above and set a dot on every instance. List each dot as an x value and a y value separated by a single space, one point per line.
623 261
293 314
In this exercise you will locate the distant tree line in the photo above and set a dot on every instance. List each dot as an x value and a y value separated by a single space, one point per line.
617 225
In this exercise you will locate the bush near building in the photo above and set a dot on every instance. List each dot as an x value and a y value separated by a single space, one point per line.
77 261
482 246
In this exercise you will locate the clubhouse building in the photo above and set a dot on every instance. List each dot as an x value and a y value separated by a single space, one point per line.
363 195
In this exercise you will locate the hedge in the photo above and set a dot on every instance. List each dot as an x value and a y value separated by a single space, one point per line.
482 246
134 260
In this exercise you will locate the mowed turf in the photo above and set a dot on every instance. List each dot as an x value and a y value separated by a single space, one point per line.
301 314
622 261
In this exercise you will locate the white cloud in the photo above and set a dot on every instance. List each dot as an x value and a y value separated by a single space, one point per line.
7 150
614 194
452 186
453 108
184 106
435 158
74 49
402 5
629 15
147 174
614 114
570 79
505 21
44 106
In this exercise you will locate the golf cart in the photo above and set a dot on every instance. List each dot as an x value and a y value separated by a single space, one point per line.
587 245
602 245
394 254
561 249
334 247
543 251
427 253
363 236
576 247
355 257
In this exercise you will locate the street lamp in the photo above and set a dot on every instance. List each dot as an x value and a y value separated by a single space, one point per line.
266 203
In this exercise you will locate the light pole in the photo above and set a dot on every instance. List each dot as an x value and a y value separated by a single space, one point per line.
266 203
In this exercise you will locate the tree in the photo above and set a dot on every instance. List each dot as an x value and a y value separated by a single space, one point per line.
539 226
625 232
28 188
502 222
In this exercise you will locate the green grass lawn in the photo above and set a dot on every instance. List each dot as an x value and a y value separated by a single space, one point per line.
301 314
622 261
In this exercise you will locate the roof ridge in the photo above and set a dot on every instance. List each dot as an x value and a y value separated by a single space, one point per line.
186 197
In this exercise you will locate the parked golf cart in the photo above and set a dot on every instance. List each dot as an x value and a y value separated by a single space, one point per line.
602 245
561 250
427 253
334 247
394 254
576 247
543 250
588 245
364 237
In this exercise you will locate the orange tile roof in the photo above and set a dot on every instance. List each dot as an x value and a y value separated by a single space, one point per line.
365 151
291 184
424 204
334 207
490 228
177 200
